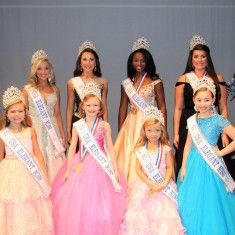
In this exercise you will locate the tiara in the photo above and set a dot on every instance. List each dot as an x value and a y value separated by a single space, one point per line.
204 83
196 40
86 44
152 112
141 43
91 88
39 54
11 96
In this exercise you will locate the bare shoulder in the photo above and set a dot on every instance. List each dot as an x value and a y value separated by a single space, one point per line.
182 78
103 81
107 126
220 77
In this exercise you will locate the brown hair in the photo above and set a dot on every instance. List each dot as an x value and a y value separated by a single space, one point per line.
81 112
164 139
4 122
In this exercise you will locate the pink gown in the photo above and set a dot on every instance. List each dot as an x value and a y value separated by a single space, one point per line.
151 215
24 210
86 204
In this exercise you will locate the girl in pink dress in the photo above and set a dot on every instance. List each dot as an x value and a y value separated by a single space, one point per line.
25 206
87 199
152 207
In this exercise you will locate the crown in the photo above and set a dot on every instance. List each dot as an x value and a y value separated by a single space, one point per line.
86 44
39 54
11 96
204 83
91 88
196 40
141 43
152 112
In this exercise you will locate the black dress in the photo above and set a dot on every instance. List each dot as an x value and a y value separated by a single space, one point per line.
187 112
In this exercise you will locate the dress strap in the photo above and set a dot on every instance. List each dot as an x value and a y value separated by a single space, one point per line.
223 84
155 82
180 83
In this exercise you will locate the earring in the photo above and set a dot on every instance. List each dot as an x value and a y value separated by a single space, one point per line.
49 78
7 121
80 68
195 108
95 69
213 109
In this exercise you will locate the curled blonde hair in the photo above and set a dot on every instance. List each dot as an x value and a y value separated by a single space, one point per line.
164 139
203 89
81 112
33 80
4 122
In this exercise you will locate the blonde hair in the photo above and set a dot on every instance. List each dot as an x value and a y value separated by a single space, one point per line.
4 122
33 80
164 138
203 89
81 112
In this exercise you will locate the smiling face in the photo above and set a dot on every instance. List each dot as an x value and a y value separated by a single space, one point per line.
139 62
153 132
88 62
43 71
199 59
203 101
16 113
91 106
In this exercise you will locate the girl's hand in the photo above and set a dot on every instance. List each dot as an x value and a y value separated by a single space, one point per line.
176 140
182 174
216 150
156 187
225 140
66 175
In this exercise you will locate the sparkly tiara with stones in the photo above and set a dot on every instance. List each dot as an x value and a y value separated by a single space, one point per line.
91 88
11 96
196 40
85 45
152 112
204 83
141 43
39 54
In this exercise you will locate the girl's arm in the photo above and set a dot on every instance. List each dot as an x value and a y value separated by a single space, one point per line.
59 117
122 108
109 146
71 152
104 98
187 148
160 99
38 154
230 131
179 105
223 107
2 150
69 109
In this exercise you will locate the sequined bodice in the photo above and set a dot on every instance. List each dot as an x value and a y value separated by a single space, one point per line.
50 103
25 139
147 92
211 128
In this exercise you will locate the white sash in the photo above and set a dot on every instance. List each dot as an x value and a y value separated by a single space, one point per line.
94 149
216 163
154 174
78 85
46 120
20 151
133 95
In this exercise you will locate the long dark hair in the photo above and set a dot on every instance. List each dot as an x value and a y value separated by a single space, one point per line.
210 67
97 71
150 67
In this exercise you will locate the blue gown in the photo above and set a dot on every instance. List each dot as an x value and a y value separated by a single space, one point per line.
205 207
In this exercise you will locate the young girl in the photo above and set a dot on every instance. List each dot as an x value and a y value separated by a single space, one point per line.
142 88
90 201
24 204
43 101
152 207
206 196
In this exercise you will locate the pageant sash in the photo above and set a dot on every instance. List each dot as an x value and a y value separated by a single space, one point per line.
133 95
193 78
159 153
216 163
83 148
78 85
46 120
154 174
20 151
94 149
